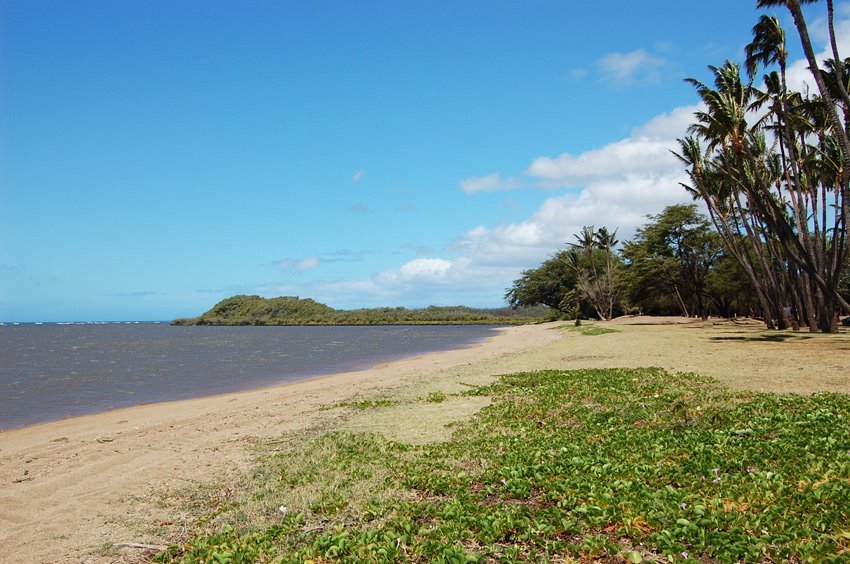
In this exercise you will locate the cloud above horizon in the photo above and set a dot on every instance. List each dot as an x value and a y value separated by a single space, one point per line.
489 183
300 265
615 185
619 70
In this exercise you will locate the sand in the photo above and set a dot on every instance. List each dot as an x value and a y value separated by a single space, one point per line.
77 490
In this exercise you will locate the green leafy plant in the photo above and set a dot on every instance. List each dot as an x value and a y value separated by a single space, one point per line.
578 464
593 330
435 397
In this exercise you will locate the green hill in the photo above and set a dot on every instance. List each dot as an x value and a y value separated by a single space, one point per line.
254 310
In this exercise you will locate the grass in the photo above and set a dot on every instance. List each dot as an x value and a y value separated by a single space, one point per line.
365 404
636 464
591 331
435 397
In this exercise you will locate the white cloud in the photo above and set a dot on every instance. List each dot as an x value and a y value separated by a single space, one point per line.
645 152
299 264
427 270
619 184
629 69
615 185
422 282
819 30
670 125
307 264
357 176
489 183
618 202
635 155
577 74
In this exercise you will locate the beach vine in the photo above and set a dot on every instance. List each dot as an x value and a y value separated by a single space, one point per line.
638 464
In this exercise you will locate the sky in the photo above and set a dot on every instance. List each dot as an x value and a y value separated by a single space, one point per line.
159 156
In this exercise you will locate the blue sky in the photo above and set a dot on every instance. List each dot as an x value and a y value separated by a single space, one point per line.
158 156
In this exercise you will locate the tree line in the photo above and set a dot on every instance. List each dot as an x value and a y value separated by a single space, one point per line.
290 310
770 165
674 265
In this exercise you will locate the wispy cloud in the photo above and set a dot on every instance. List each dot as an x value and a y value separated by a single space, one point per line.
615 185
358 208
345 255
357 176
577 74
299 264
621 70
664 46
419 250
799 76
489 183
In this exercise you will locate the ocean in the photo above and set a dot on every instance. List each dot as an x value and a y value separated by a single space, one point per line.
55 371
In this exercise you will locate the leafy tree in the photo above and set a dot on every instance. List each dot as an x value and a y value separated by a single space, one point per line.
581 280
729 290
552 284
254 310
597 268
669 261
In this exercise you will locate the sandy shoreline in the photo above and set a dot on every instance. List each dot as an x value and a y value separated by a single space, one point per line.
72 489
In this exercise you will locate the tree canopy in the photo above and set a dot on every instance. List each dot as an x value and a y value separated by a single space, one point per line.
670 259
288 310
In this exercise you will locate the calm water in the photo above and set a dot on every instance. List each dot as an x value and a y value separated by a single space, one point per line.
50 372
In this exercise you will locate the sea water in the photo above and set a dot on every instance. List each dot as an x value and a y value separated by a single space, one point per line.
54 371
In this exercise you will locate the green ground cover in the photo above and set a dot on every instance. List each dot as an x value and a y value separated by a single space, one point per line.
632 463
591 331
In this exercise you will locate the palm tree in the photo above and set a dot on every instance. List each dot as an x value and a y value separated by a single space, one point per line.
796 11
595 264
767 47
710 183
781 208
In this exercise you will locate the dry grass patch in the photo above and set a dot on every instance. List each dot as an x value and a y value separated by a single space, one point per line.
417 423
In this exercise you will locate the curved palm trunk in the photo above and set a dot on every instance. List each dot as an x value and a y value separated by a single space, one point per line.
731 238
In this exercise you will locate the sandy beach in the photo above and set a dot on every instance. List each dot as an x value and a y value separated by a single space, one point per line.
85 489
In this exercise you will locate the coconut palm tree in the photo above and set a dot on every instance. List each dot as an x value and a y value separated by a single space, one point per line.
596 266
840 130
780 202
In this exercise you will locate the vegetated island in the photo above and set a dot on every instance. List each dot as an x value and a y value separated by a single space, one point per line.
288 310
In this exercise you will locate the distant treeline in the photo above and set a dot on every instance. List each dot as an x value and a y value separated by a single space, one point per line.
254 310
